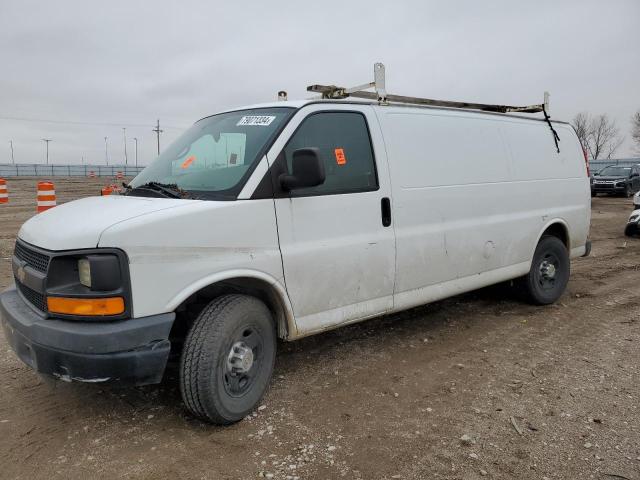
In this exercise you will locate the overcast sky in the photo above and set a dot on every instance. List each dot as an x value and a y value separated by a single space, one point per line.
91 68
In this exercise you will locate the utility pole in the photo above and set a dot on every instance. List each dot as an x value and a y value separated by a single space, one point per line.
158 132
47 140
13 160
136 142
124 136
106 150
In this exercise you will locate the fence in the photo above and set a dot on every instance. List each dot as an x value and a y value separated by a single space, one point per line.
597 165
41 170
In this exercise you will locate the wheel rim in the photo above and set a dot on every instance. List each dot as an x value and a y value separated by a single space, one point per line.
243 361
548 271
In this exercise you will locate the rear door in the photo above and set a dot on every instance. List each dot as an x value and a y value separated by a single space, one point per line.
338 254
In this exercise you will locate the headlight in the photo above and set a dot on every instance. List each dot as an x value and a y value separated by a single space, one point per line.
84 272
89 284
100 273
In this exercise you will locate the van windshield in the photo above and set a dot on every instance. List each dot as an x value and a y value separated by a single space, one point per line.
214 158
615 171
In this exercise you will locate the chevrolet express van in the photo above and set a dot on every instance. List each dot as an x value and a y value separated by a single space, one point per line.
284 220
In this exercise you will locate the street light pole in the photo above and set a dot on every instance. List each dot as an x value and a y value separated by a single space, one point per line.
136 142
47 140
106 150
12 159
124 136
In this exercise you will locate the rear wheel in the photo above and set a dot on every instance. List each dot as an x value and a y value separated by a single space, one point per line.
546 281
228 359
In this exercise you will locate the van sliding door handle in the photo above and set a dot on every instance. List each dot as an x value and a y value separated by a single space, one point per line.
385 209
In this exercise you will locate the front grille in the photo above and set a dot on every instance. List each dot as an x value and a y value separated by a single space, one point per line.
34 259
36 299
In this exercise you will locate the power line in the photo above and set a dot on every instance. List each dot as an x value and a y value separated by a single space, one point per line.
72 122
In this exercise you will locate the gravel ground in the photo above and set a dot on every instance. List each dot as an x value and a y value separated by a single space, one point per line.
477 386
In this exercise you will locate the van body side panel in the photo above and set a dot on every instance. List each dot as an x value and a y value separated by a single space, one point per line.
467 212
206 242
553 186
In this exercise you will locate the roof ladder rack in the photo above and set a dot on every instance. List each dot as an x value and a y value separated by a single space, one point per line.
380 95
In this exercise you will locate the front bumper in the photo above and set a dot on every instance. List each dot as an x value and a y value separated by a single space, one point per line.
132 351
604 188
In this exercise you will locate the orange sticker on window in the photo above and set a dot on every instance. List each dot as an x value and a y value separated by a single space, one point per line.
187 163
340 158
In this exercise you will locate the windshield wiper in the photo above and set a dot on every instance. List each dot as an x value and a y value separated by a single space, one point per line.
169 190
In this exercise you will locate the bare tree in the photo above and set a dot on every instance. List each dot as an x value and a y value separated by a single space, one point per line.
635 129
581 125
598 135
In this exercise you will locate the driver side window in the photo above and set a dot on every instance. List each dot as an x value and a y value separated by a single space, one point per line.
345 148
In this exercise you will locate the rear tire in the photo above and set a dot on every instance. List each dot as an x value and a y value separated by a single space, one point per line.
228 359
547 280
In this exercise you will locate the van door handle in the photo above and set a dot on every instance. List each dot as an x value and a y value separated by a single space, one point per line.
385 209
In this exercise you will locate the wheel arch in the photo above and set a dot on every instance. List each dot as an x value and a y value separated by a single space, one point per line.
248 282
557 228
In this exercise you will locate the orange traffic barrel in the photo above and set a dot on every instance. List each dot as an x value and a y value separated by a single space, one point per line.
106 190
46 196
4 195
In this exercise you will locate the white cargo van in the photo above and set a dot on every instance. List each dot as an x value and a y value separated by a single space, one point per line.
288 219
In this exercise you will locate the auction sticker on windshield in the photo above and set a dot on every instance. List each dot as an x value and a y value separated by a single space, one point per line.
260 120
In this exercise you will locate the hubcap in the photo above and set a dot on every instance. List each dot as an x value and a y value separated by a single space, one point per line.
240 359
548 272
244 361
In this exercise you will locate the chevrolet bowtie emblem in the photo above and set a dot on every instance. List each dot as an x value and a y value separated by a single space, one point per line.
21 274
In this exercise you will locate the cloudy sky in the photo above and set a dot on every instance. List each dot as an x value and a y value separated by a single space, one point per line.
77 71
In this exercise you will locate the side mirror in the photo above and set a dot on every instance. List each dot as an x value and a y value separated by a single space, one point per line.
307 170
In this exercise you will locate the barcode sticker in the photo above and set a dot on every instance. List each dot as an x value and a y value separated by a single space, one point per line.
259 120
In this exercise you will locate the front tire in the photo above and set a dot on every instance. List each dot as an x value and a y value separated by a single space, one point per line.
547 280
228 359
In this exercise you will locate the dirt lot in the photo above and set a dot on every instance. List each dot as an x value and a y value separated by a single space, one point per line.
389 398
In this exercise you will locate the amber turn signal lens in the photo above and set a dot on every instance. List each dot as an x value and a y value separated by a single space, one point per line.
86 306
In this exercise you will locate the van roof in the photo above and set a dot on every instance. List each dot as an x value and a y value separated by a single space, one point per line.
297 104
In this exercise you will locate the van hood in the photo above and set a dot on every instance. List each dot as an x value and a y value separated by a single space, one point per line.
79 224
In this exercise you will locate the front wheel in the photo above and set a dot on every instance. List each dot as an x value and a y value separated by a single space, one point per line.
546 281
227 359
